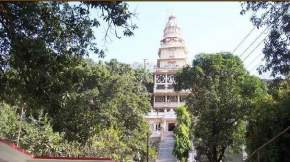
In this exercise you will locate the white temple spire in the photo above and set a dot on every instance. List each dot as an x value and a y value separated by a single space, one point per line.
172 53
171 29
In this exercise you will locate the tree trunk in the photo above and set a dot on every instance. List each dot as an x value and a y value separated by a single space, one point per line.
20 125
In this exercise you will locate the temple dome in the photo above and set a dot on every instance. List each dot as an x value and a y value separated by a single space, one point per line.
171 30
171 21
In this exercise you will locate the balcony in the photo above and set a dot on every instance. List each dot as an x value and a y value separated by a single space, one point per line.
172 45
166 69
167 104
160 115
164 88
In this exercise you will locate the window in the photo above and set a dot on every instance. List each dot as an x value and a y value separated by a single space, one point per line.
160 78
172 99
170 86
158 126
160 86
159 98
170 78
182 98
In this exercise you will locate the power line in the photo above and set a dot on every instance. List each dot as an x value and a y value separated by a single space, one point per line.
252 43
268 27
254 65
243 40
255 48
259 43
254 51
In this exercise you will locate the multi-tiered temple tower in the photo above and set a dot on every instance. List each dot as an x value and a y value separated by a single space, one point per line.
172 57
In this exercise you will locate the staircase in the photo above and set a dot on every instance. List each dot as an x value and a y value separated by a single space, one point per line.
166 148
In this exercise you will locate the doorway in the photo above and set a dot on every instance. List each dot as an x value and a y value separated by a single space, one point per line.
171 126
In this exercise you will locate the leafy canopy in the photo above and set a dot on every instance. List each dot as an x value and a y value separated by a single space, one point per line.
105 102
269 118
220 99
40 41
276 17
183 142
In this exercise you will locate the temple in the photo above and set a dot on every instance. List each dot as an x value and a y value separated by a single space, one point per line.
172 57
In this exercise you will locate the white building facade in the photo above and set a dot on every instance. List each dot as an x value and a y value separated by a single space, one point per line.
172 57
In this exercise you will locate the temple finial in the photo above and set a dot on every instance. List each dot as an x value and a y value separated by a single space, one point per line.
171 28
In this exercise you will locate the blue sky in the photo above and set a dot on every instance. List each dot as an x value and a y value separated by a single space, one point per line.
207 27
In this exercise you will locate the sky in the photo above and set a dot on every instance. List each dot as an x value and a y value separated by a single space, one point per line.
207 27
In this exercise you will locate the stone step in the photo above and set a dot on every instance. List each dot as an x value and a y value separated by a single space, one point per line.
166 148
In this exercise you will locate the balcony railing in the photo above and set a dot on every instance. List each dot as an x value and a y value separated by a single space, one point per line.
167 104
164 88
172 45
168 88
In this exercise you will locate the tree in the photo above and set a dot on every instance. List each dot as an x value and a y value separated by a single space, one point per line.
37 135
270 117
106 102
8 124
146 78
42 70
220 99
183 142
42 40
276 17
105 96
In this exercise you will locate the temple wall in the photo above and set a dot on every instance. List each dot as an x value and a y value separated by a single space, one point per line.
172 63
168 53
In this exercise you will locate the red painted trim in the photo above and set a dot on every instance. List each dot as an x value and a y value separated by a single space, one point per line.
15 147
73 158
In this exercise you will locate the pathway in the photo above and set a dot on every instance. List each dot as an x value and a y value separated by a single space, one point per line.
165 149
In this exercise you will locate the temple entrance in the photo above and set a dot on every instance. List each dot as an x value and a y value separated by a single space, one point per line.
171 126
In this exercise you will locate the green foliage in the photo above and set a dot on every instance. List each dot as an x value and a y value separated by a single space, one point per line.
37 135
104 103
42 71
104 145
183 142
106 100
222 94
270 116
8 122
275 16
145 77
41 41
39 138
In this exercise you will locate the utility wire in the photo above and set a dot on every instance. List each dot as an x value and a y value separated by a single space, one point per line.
243 40
259 44
252 43
254 64
255 48
253 52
